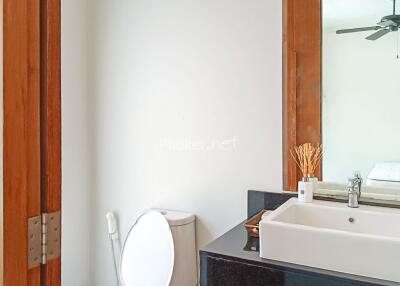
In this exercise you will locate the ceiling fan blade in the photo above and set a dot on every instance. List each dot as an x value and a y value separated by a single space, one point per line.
377 35
344 31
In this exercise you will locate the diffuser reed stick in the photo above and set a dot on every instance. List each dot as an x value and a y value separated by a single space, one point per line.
307 158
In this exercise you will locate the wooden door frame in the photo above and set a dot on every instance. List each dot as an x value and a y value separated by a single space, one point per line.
32 131
50 128
301 97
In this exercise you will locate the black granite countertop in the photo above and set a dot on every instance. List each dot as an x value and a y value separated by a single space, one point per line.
231 245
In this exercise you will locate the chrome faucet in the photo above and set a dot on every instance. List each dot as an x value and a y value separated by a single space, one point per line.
354 190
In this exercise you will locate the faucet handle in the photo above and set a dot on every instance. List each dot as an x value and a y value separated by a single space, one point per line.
354 189
357 175
356 179
355 182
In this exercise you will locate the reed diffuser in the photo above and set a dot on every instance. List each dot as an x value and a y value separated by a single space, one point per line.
307 158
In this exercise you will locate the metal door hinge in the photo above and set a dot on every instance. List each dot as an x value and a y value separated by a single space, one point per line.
44 236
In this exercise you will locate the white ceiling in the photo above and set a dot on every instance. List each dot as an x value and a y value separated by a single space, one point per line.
341 14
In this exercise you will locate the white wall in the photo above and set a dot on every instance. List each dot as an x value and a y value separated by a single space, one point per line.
76 146
361 90
187 101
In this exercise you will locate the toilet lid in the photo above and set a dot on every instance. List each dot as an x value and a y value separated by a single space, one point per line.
147 258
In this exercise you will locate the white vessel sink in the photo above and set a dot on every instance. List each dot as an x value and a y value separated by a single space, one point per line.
330 235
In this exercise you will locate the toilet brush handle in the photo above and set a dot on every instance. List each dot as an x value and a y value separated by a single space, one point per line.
112 225
114 239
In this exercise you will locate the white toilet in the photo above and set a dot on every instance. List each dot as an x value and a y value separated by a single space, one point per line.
384 175
160 250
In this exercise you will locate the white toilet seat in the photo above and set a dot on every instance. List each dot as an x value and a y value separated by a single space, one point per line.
147 257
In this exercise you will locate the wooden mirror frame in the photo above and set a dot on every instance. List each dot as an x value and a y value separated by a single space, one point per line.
301 82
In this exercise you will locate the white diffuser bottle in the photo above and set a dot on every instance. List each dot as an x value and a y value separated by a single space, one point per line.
306 188
307 158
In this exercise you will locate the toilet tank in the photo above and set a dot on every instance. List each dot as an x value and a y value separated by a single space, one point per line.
184 235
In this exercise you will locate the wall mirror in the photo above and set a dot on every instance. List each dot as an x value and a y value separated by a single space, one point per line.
341 79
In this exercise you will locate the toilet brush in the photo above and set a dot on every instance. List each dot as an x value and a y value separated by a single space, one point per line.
115 243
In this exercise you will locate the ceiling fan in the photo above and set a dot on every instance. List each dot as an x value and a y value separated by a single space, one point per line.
387 24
